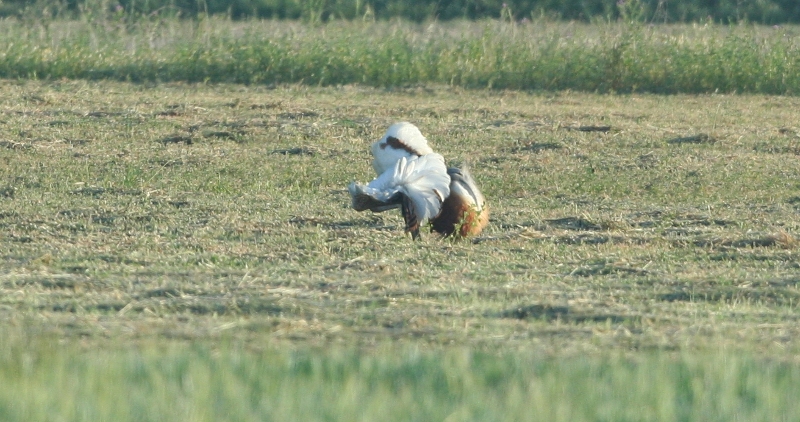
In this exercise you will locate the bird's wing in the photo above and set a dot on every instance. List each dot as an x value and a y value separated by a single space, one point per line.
425 182
419 185
365 198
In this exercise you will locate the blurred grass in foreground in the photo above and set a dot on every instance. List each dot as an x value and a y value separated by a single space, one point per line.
538 55
171 381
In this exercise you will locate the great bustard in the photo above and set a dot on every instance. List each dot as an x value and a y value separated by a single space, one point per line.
414 178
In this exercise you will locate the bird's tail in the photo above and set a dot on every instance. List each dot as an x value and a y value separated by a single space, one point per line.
463 184
464 212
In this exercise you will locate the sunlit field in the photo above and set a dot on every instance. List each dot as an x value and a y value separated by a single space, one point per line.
187 252
177 243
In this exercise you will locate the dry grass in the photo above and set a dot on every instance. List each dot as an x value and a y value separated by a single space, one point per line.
187 211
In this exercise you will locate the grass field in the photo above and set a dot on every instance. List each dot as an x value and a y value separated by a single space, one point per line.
186 252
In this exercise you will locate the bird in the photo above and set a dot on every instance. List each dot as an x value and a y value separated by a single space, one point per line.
414 178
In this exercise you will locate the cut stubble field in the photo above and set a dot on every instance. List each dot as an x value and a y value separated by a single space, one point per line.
161 215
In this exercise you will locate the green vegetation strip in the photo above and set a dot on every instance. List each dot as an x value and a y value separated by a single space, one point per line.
771 12
197 383
533 56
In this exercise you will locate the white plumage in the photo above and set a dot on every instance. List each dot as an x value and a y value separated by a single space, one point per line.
401 140
419 185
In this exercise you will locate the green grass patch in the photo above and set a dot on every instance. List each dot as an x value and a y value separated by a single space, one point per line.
197 383
540 55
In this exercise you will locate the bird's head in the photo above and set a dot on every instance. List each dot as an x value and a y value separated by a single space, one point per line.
401 140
